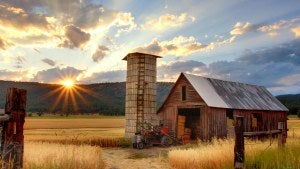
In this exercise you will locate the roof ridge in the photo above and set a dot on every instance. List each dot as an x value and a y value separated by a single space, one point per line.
222 80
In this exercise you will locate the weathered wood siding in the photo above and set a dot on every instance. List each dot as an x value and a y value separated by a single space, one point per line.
168 113
269 119
217 122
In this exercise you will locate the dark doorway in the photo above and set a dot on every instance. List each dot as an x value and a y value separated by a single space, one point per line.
192 120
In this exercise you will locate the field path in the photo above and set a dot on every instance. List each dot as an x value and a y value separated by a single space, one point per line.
121 158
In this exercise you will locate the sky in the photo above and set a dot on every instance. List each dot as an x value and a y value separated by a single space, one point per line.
250 41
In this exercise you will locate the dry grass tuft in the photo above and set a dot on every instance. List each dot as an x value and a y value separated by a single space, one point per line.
219 153
57 156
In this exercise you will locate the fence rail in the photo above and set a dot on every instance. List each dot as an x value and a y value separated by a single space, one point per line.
239 146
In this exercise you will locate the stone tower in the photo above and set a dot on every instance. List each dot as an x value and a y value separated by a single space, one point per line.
140 105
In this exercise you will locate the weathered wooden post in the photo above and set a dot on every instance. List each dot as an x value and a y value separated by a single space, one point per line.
13 138
281 135
239 150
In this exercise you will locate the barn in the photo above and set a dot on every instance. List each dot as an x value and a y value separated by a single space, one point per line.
204 107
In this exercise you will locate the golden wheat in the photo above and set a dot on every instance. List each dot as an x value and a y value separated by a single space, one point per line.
219 153
57 156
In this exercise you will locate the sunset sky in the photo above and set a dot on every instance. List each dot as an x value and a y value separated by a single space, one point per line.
250 41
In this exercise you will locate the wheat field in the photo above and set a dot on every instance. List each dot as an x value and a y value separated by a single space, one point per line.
56 143
39 155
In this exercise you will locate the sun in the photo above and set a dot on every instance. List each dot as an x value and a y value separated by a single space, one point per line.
68 84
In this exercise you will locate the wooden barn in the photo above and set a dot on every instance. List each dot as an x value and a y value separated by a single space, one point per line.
204 107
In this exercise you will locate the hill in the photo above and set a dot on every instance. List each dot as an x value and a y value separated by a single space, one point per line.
104 98
291 101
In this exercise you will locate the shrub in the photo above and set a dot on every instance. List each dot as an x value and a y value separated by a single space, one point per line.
298 114
124 142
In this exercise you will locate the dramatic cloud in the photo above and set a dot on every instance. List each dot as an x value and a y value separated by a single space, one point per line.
55 75
255 67
75 37
241 28
273 28
100 53
18 17
285 53
296 31
49 61
178 46
168 21
124 21
53 23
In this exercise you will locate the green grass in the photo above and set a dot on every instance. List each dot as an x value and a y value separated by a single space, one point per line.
286 158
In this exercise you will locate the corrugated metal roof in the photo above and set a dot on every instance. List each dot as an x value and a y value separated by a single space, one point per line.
235 95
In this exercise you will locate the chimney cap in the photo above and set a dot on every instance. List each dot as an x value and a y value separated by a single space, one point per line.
139 53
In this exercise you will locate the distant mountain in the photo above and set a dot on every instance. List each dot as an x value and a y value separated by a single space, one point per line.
105 98
291 101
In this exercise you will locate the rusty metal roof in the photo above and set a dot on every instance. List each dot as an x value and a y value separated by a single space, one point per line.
234 95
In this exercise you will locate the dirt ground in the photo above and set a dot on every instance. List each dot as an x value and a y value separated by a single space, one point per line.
128 158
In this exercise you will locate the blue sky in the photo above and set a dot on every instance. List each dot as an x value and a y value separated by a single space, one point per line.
249 41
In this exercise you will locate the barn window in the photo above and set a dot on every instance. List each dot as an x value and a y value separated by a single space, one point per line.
229 113
256 121
183 93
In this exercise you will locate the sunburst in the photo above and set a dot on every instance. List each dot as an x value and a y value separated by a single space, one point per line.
69 93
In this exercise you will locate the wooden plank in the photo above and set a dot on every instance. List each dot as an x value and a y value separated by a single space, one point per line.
259 133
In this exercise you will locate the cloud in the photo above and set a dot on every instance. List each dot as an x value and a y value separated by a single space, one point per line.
109 76
285 53
178 46
296 31
4 44
255 67
241 28
55 75
49 61
14 75
282 24
53 23
289 80
100 53
124 21
168 21
20 59
14 16
75 37
171 70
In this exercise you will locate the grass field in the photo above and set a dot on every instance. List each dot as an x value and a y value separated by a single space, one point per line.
39 155
55 142
61 139
259 155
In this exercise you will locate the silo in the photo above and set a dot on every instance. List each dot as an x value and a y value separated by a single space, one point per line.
140 105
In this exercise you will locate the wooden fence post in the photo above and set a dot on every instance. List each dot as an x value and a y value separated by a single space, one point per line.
13 137
239 142
281 135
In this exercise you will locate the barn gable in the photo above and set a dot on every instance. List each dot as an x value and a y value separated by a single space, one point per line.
175 95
